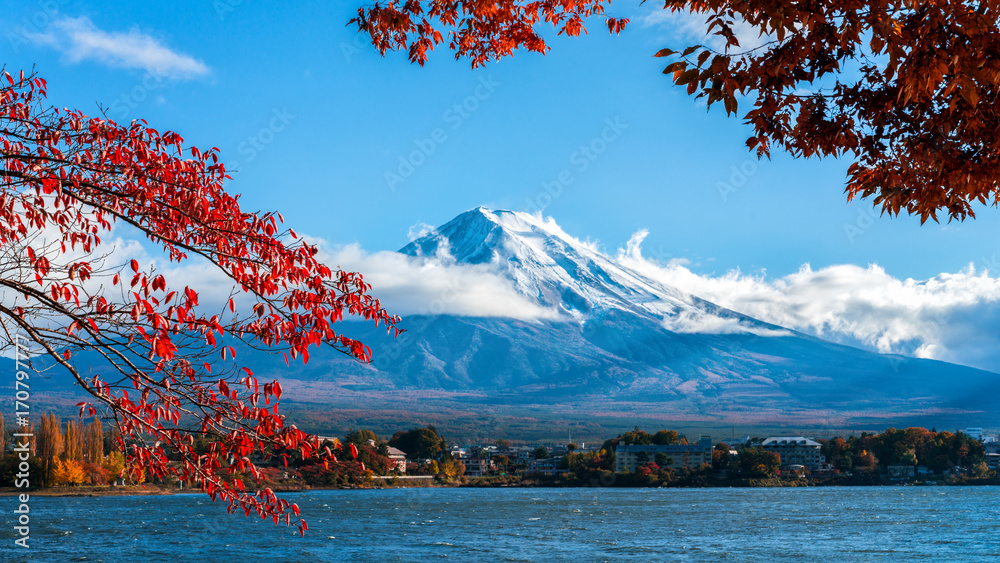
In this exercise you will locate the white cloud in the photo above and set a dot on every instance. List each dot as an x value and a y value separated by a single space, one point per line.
522 222
700 322
420 230
688 26
79 40
950 317
435 285
405 285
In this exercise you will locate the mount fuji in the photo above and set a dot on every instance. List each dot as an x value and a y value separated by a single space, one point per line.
574 280
604 348
612 347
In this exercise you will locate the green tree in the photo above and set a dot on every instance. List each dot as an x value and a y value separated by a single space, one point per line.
665 438
720 456
758 462
663 460
502 462
845 462
909 457
419 443
361 437
980 470
611 444
9 468
637 437
541 452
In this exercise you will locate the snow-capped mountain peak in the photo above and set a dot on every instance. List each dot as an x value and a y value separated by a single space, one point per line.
560 271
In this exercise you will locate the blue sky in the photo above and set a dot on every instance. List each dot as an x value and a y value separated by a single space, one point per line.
319 127
349 115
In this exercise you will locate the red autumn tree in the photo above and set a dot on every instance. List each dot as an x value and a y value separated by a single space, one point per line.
908 90
65 181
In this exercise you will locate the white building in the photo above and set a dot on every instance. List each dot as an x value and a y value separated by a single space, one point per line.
522 453
993 461
976 433
548 466
477 466
398 457
690 456
795 450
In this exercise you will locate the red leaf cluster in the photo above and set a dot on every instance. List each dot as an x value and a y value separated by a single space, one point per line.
65 180
481 31
908 90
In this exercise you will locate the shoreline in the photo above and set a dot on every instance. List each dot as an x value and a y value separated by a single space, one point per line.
128 490
89 491
154 490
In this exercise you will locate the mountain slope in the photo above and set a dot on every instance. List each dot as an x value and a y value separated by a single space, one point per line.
625 345
619 348
556 270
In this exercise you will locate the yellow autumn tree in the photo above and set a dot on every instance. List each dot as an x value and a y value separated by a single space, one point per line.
49 446
93 442
73 442
68 472
452 468
50 439
114 463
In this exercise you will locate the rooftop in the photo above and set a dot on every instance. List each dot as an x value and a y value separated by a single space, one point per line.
790 441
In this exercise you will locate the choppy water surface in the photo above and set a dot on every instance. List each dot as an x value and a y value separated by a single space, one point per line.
816 524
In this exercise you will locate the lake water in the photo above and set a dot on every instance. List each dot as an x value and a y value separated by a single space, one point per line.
584 524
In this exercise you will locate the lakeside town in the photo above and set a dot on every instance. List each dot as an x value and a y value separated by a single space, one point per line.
72 458
642 459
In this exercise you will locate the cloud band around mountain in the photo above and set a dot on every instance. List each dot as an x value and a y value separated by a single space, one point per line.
950 317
